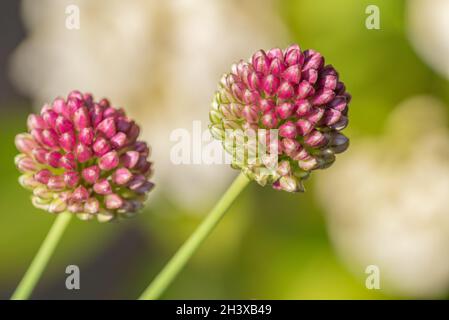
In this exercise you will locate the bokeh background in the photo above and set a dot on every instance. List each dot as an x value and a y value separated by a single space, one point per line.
385 202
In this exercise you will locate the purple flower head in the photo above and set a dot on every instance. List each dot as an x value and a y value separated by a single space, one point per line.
83 156
295 92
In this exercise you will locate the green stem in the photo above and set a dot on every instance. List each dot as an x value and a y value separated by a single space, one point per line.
185 252
34 272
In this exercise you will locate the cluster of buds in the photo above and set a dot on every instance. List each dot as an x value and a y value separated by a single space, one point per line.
295 93
83 157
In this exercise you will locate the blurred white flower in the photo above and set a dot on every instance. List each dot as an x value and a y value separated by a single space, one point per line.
160 60
428 29
387 201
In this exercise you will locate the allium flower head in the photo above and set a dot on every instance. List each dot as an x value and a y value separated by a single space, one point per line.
83 157
297 94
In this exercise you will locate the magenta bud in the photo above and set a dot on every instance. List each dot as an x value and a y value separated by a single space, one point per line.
313 60
25 143
36 122
292 74
293 55
109 161
40 154
113 201
270 120
81 118
67 141
96 115
86 136
328 81
82 152
285 110
91 174
50 117
92 206
288 130
107 127
250 113
260 62
286 90
56 183
315 115
315 139
52 158
60 107
289 146
304 127
276 66
270 84
110 112
305 89
63 125
42 176
122 176
102 187
75 94
50 138
251 97
310 75
275 53
104 103
118 140
80 194
101 146
323 96
253 80
266 105
303 107
71 178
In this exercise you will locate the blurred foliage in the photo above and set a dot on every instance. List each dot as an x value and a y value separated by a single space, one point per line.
270 244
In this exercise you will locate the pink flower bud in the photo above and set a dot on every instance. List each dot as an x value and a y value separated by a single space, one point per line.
91 174
109 161
80 194
42 176
102 187
288 130
67 141
52 158
113 201
107 127
118 141
285 110
82 152
71 178
122 176
86 136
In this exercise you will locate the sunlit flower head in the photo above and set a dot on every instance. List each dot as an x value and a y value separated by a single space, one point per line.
84 157
295 92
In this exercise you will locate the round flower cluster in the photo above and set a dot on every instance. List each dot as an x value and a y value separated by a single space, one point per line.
295 93
83 157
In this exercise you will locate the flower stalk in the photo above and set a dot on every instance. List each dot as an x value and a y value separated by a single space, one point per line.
40 261
186 251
